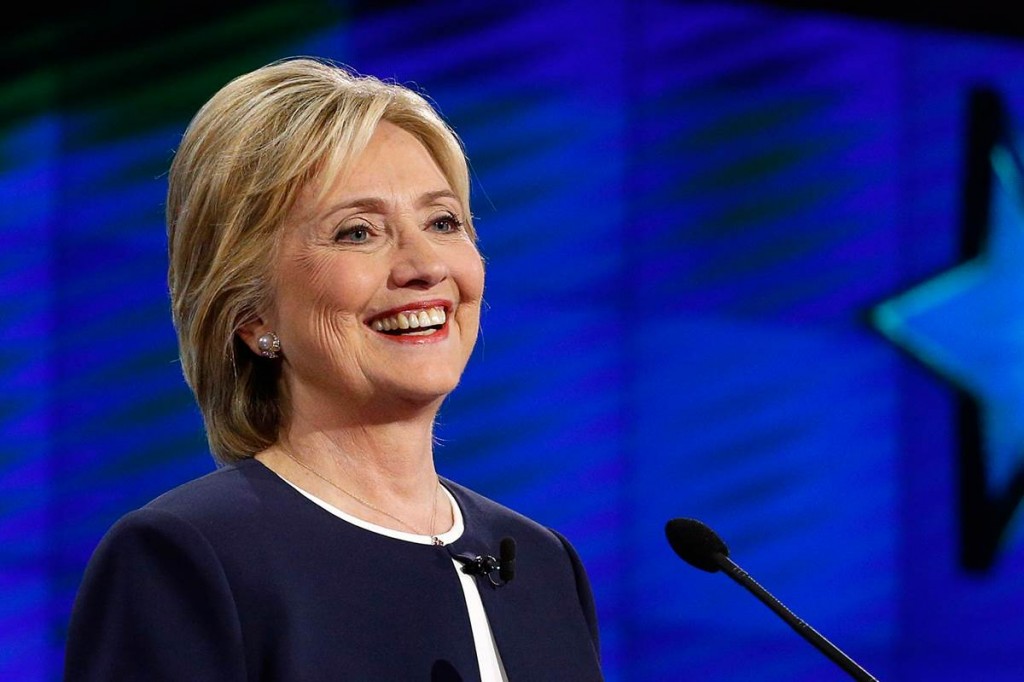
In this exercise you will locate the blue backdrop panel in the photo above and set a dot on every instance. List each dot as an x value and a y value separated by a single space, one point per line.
691 214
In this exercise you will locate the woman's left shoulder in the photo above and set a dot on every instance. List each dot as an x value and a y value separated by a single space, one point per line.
483 512
547 565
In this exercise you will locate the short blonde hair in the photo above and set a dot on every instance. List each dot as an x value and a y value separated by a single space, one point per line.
236 175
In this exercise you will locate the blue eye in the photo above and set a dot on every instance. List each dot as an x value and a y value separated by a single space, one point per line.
446 224
353 235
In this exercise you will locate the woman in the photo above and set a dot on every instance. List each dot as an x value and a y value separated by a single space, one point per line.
326 291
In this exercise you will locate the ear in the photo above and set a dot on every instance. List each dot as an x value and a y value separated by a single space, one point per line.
251 331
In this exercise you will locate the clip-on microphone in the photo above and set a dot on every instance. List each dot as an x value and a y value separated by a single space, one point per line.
487 564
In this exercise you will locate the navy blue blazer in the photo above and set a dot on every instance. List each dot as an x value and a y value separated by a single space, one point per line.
237 576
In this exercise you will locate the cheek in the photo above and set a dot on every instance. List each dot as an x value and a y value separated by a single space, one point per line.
336 284
320 298
470 276
471 289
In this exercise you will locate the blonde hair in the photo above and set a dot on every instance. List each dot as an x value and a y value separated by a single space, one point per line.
237 173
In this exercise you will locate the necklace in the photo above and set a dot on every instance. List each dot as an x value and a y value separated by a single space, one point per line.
438 542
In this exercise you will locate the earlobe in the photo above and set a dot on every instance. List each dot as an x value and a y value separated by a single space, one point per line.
249 332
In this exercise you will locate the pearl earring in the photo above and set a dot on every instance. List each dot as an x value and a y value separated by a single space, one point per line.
269 345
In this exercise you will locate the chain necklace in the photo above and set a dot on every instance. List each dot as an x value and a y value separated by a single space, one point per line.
433 512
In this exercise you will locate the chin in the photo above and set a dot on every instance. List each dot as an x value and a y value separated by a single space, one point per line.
424 392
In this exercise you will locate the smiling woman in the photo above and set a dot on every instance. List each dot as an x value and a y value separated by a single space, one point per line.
392 244
326 291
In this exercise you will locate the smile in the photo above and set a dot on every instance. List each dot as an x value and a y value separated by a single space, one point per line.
412 322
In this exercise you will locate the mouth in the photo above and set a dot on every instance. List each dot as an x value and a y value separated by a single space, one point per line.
412 322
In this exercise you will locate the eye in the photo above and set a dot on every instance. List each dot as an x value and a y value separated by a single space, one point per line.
446 224
357 234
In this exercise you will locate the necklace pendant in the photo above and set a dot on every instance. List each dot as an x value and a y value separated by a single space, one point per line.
438 542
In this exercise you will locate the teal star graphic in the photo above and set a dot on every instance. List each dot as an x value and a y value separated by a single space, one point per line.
967 324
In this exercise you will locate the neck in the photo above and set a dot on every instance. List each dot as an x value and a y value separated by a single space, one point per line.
395 457
379 471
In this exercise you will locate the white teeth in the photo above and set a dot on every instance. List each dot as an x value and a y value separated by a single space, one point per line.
411 320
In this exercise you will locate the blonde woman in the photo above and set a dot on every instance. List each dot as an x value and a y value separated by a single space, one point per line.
326 292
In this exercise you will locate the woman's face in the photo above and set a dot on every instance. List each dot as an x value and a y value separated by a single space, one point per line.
378 287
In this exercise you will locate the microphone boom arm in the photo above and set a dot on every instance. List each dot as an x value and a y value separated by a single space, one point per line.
802 628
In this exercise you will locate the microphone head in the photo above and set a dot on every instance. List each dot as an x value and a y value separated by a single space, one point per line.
695 543
507 561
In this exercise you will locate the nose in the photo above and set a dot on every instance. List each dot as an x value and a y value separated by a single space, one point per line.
417 263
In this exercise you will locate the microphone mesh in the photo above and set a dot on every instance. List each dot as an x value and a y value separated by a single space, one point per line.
695 543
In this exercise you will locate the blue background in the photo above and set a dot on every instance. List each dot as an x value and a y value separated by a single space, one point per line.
689 211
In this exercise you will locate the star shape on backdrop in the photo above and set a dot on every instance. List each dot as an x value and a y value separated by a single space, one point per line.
967 324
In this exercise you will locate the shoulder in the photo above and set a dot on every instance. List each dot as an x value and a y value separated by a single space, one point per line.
234 481
185 511
221 508
153 586
234 490
479 508
486 518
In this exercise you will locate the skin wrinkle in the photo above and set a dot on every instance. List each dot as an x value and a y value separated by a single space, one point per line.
327 323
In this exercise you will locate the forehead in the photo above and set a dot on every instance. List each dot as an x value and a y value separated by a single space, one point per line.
394 165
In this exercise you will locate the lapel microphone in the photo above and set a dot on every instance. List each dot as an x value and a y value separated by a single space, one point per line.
487 565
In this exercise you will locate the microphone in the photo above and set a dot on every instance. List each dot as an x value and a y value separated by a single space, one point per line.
507 567
487 564
699 546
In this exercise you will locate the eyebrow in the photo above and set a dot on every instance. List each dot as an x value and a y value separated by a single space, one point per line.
379 205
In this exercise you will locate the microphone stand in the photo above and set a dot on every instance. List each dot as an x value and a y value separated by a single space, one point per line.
802 628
